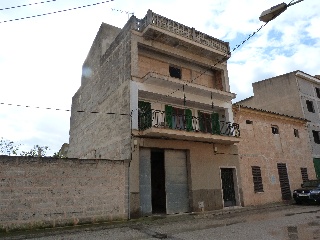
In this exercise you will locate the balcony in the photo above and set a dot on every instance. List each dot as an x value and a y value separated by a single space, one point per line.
192 88
165 30
184 126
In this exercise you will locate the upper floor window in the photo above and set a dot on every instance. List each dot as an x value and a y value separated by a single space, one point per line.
175 72
209 122
304 174
316 136
296 132
145 115
249 122
318 92
275 129
310 106
178 118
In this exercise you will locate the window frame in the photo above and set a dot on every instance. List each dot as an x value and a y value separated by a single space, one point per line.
257 179
249 121
304 174
316 136
310 106
296 133
175 72
275 129
317 92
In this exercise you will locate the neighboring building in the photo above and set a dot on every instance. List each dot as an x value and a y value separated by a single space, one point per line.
274 153
167 85
295 94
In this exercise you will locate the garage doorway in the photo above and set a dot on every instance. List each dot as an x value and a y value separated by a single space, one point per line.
158 192
163 181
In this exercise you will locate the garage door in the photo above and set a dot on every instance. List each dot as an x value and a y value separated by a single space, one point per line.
145 182
176 181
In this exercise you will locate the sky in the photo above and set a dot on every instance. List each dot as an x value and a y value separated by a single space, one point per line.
41 58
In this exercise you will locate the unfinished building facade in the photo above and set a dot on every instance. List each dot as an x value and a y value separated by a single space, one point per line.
156 93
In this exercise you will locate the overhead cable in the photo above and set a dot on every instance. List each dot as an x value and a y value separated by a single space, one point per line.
26 5
64 110
60 11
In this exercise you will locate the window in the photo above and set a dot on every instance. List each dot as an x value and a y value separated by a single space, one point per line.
316 136
177 118
310 106
257 179
304 174
145 115
275 129
296 133
175 72
249 122
209 123
205 122
318 92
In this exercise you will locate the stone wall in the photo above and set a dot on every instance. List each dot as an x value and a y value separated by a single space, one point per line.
48 192
94 132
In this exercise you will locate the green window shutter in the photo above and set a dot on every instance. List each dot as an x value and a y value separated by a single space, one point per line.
145 115
168 111
316 162
215 123
188 114
201 121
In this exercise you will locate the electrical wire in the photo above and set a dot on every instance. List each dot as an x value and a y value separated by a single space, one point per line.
226 56
60 11
122 11
218 62
64 110
26 5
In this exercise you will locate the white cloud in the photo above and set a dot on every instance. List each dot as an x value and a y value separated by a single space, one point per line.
41 58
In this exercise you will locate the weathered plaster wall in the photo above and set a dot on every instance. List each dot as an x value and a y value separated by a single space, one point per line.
48 192
260 147
106 89
279 94
308 92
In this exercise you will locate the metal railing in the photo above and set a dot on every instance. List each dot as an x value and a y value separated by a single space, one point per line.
158 119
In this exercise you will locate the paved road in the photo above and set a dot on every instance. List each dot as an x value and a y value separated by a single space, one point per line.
281 222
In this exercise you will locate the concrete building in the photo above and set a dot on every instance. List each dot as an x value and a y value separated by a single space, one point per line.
274 153
295 94
156 93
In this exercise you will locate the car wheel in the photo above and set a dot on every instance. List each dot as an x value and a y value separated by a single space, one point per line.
299 202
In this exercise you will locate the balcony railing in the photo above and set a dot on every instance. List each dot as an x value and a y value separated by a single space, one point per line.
184 122
167 24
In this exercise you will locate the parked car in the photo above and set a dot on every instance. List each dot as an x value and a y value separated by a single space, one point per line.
309 192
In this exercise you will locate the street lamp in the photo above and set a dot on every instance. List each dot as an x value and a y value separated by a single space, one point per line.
275 11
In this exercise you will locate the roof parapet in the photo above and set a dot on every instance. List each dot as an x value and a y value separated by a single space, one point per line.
154 19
